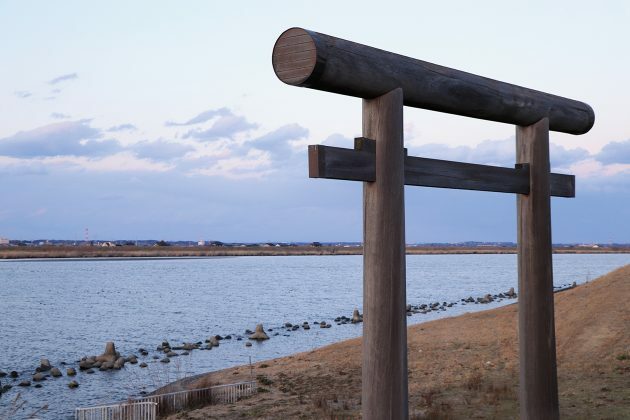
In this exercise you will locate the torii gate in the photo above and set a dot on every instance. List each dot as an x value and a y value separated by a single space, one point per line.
387 81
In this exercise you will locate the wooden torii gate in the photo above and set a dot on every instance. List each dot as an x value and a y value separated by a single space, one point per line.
386 82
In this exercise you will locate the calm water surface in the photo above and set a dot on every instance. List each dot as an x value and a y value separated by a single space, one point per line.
64 310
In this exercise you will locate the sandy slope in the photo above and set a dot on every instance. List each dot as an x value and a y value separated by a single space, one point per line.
461 367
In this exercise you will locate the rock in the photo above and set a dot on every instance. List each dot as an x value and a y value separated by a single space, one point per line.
306 326
212 341
5 388
408 308
85 364
248 344
189 346
38 377
165 344
185 353
2 374
143 365
38 385
89 371
288 325
71 372
119 363
155 357
25 383
106 366
218 337
110 354
510 293
44 365
132 359
295 328
165 360
171 354
259 334
574 284
248 332
228 337
55 372
356 316
73 384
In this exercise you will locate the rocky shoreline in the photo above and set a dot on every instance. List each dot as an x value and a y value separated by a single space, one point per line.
112 360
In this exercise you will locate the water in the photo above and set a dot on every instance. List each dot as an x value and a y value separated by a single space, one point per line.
63 310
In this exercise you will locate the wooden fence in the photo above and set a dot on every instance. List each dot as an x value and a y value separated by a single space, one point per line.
123 411
172 402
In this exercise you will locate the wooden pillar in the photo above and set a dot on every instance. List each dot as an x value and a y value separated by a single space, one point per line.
384 372
537 339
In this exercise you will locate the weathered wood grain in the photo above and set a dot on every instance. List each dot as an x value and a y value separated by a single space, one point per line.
384 351
537 343
360 165
348 68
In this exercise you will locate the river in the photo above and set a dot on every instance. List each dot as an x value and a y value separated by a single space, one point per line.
66 309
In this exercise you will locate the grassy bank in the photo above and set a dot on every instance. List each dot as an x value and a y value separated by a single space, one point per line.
207 251
462 367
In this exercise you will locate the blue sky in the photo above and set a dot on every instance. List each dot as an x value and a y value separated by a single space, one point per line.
164 120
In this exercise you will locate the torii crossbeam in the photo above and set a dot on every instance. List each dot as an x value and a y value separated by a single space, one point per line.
387 81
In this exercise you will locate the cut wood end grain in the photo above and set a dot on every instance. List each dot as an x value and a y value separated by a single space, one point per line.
294 56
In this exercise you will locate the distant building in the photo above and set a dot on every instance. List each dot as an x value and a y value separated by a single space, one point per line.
4 241
108 244
201 243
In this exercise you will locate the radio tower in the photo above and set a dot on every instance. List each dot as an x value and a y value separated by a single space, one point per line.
87 236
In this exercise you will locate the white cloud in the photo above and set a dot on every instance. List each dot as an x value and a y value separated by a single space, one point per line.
255 164
119 162
589 168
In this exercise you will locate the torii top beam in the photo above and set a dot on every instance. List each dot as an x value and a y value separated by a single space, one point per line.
318 61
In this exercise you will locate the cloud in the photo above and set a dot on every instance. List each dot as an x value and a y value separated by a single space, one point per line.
161 149
278 141
118 162
201 118
122 127
59 116
562 157
226 126
255 164
497 152
73 138
339 140
489 152
63 78
615 152
22 94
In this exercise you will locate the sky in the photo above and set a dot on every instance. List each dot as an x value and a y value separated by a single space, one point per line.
164 120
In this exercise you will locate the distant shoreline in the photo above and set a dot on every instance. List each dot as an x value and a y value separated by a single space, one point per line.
170 252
